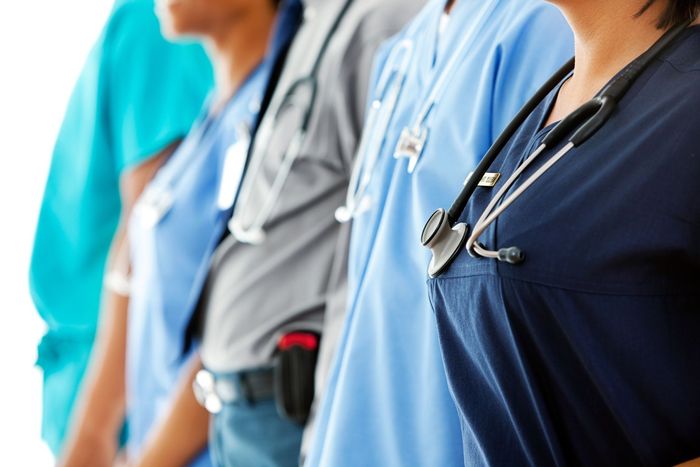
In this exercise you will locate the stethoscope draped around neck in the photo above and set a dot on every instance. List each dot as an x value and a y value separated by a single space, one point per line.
305 89
413 138
445 237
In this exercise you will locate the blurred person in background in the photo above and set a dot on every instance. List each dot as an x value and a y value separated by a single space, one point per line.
582 348
177 222
136 97
266 291
458 73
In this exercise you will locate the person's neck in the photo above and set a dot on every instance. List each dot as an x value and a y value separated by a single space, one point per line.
449 5
235 51
608 36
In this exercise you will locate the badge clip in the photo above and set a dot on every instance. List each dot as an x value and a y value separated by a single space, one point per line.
153 205
411 145
232 173
489 179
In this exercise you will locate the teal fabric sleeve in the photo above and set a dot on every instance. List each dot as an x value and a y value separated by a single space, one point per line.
147 108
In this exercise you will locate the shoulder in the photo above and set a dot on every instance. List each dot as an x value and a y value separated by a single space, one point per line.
673 82
530 20
125 12
672 93
133 21
375 21
685 57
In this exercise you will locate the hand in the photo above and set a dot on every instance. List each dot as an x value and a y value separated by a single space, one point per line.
90 449
122 460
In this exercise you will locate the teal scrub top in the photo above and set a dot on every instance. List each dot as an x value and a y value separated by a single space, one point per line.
136 94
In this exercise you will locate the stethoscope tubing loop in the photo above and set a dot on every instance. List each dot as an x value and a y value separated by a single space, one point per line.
376 126
256 228
465 194
576 119
584 122
481 226
508 183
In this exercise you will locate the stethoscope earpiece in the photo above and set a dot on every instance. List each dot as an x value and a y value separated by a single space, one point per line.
444 241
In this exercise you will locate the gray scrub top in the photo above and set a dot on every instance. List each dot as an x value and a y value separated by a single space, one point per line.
255 294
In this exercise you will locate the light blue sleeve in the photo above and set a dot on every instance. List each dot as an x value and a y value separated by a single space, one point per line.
531 50
155 88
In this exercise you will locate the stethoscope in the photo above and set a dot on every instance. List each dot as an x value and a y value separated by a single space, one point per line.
158 197
445 237
413 138
254 233
380 114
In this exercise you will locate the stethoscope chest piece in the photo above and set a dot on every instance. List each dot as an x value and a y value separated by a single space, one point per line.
444 242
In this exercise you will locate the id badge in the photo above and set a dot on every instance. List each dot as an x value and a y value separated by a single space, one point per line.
411 145
152 206
232 173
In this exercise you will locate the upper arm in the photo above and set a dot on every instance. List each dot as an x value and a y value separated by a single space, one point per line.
155 89
133 181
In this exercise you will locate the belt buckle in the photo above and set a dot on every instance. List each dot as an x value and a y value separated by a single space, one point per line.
204 388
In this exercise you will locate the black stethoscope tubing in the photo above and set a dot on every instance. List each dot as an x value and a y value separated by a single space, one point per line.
584 122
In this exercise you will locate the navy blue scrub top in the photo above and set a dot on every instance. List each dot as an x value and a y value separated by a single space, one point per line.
588 353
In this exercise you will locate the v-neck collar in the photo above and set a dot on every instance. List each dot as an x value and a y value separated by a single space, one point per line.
433 54
450 37
428 48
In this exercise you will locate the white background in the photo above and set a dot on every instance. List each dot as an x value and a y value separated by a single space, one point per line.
43 44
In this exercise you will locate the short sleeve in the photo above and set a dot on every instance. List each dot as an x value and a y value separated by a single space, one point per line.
155 88
530 51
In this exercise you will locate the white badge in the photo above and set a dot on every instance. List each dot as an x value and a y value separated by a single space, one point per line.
232 172
411 145
152 206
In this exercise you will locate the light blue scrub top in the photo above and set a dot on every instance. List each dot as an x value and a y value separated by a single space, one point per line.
388 401
169 257
136 94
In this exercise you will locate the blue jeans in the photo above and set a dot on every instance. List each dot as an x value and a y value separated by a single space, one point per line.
254 435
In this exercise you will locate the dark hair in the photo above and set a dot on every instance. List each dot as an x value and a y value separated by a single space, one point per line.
676 12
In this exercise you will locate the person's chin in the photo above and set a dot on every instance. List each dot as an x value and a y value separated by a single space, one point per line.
166 3
169 16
